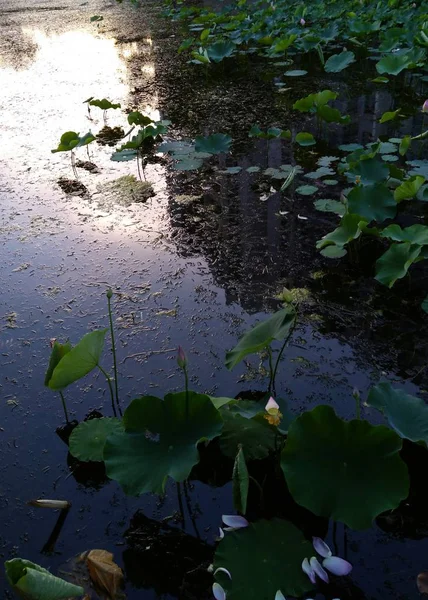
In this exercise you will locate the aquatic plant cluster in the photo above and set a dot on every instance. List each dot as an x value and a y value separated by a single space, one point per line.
316 455
160 439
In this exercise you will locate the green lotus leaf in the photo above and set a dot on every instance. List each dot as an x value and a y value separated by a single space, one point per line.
58 351
416 234
295 73
220 50
370 170
188 164
389 116
350 228
332 115
262 335
240 482
406 414
137 118
255 435
176 148
263 558
124 155
395 262
333 251
104 104
330 465
88 439
32 582
409 188
307 190
68 141
372 202
338 62
160 441
214 144
305 139
79 361
331 206
86 139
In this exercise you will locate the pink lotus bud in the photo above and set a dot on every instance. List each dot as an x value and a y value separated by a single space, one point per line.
181 358
272 406
52 342
302 21
425 107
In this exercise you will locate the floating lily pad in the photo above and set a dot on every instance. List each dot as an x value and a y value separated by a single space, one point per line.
263 558
344 462
88 439
350 147
332 206
296 73
307 190
160 441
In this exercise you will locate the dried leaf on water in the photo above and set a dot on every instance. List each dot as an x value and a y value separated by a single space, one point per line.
104 572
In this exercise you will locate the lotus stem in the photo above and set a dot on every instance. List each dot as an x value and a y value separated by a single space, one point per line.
186 387
107 376
180 504
281 352
113 346
269 349
64 406
138 167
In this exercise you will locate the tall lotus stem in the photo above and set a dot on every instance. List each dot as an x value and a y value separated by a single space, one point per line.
182 363
107 376
280 354
64 406
113 346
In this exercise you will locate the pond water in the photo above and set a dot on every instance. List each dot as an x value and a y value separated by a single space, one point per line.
195 274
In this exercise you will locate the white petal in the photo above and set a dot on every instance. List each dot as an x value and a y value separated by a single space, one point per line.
221 533
218 592
306 568
224 571
279 595
337 566
271 404
318 569
321 547
235 521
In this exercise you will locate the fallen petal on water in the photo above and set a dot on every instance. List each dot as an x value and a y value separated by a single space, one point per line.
279 595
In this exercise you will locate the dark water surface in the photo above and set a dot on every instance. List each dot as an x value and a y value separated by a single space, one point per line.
190 272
